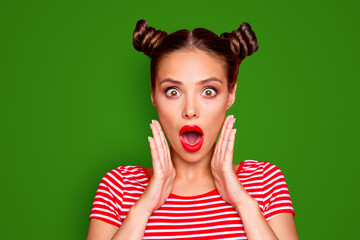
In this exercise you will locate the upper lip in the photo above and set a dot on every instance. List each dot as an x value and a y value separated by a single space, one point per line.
191 128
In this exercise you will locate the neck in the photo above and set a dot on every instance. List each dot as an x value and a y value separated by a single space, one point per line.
189 169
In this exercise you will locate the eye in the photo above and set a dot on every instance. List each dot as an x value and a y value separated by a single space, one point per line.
209 92
172 92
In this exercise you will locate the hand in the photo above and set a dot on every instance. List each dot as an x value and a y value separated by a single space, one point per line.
162 179
226 181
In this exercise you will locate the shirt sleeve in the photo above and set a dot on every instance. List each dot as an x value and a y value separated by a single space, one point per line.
276 194
108 199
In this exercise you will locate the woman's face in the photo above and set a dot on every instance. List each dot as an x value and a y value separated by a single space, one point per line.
191 89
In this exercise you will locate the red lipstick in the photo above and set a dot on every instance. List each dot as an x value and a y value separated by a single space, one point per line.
191 137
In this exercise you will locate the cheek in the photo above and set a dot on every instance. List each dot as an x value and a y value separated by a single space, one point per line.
169 118
215 119
167 110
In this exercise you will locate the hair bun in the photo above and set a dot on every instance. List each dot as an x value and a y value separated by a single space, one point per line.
146 38
243 41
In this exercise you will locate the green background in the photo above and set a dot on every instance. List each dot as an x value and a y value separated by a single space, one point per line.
75 103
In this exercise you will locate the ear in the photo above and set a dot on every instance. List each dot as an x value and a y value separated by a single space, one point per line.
152 96
231 98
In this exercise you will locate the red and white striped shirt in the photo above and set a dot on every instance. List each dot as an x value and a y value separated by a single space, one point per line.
204 216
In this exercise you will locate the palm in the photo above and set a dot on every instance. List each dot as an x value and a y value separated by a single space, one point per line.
225 178
161 182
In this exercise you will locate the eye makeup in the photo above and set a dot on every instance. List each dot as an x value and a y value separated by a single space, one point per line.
204 89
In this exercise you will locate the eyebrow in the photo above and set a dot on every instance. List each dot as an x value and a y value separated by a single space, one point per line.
198 83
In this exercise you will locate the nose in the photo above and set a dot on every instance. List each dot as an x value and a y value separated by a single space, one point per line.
190 109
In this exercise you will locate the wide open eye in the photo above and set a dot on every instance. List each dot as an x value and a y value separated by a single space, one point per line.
172 92
209 92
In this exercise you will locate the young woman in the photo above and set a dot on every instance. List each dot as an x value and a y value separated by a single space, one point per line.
193 190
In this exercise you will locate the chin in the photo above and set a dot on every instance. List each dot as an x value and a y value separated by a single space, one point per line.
192 157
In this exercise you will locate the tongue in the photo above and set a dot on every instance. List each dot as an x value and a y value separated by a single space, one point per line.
191 137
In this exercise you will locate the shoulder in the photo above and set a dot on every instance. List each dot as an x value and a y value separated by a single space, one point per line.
268 175
124 173
266 169
255 164
127 170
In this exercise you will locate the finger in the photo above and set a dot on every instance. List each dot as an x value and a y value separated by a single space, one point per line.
230 146
227 130
224 143
220 140
154 153
167 160
157 139
163 140
224 125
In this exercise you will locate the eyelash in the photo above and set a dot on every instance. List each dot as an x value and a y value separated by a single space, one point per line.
212 88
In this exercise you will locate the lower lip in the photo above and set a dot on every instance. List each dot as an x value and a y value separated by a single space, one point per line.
192 148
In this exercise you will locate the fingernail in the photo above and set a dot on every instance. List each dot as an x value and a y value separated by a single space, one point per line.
149 139
150 126
234 120
235 131
152 121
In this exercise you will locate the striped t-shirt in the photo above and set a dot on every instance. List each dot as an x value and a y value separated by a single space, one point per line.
200 217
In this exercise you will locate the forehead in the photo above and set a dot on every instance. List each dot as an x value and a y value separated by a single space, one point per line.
190 65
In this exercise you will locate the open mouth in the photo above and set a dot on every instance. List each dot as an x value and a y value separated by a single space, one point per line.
191 137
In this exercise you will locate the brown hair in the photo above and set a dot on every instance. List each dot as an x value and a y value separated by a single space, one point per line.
232 47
